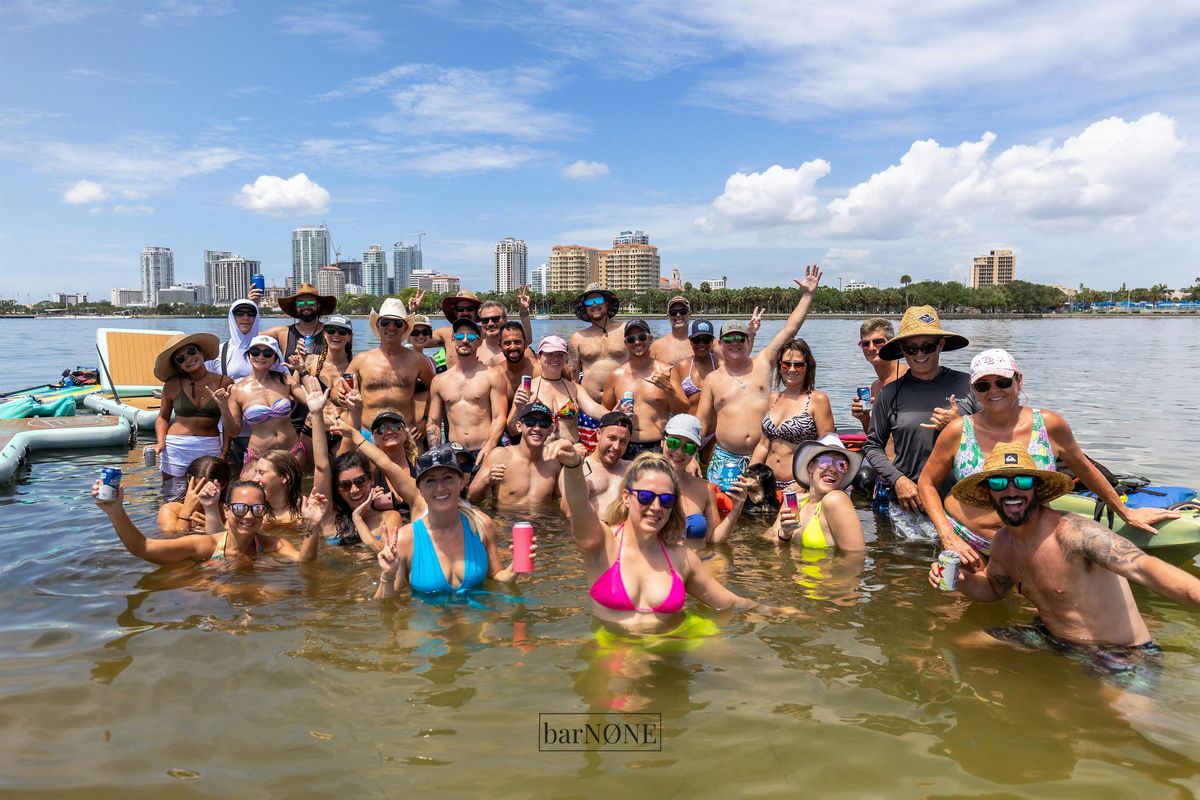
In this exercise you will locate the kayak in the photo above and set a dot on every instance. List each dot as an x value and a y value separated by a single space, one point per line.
1182 532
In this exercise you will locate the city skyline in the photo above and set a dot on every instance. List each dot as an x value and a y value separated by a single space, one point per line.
900 141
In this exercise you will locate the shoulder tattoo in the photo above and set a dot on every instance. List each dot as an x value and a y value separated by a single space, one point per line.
1099 545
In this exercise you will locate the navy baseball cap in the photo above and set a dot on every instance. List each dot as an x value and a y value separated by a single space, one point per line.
634 324
537 409
701 327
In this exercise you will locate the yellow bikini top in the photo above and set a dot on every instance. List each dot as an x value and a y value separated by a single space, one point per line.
813 535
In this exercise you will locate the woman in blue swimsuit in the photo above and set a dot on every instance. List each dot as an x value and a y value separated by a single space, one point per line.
450 550
680 444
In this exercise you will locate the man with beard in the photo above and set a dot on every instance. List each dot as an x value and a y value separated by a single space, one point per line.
596 350
657 390
492 319
306 306
736 394
516 361
472 399
387 375
675 346
1074 570
604 468
517 475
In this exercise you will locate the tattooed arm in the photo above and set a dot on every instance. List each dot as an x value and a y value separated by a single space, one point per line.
1117 554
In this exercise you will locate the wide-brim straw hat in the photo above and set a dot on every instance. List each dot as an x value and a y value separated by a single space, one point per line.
392 307
448 303
829 443
611 301
164 367
326 302
920 321
1008 459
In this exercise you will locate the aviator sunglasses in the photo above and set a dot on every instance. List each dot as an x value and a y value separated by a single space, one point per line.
636 337
242 509
260 352
837 463
358 483
1001 383
645 497
793 366
998 483
674 443
876 343
924 349
186 353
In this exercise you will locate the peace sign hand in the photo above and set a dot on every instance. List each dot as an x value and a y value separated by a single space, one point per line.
313 508
523 298
414 302
388 558
755 321
812 278
373 495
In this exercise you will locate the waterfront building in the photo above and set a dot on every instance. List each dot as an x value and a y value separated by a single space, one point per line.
511 261
405 259
158 272
630 266
331 281
231 279
374 271
997 268
572 267
211 257
445 284
539 279
68 298
310 252
177 295
715 283
631 237
421 279
351 271
126 297
854 285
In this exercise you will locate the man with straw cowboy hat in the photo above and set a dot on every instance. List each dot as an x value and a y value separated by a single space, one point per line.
387 375
596 350
912 410
306 306
1073 569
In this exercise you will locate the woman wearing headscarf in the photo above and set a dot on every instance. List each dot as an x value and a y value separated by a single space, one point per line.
231 361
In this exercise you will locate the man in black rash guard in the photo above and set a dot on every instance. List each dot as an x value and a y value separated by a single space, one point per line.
306 306
912 411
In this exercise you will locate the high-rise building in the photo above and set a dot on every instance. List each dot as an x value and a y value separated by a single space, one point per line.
630 266
352 271
231 279
158 272
539 279
374 271
511 261
995 269
572 267
421 279
212 257
445 284
331 281
68 298
126 297
310 252
177 295
405 258
631 237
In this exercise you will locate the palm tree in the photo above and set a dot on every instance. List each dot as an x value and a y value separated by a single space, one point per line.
905 280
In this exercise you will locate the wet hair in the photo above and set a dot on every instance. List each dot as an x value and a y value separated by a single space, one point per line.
240 484
672 531
286 466
810 372
513 325
876 324
209 468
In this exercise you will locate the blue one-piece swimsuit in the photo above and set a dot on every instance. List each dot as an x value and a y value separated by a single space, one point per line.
426 574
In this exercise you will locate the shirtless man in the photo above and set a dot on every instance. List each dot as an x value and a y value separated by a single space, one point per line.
604 468
596 350
387 375
675 346
493 318
464 305
736 394
1075 571
657 390
471 398
516 361
872 335
518 475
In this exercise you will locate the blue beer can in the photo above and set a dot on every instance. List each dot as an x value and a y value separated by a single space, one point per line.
864 394
110 481
729 474
258 281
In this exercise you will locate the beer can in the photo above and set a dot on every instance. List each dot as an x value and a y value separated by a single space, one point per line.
729 474
110 481
149 455
628 398
527 382
791 500
864 394
948 563
308 344
258 281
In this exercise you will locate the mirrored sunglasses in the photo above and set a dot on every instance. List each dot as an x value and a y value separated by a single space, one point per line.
465 337
645 497
242 509
674 443
837 463
186 353
998 483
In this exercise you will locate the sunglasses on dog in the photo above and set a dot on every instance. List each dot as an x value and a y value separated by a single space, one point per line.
645 497
674 443
998 483
186 353
1001 383
242 509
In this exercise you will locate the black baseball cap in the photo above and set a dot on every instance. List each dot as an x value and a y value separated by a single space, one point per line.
634 324
385 416
536 409
444 456
465 322
617 418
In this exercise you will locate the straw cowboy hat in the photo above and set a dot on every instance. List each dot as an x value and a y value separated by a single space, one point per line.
448 303
919 321
392 308
164 366
326 302
612 302
829 443
1008 459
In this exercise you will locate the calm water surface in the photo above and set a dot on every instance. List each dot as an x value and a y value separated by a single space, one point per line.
120 679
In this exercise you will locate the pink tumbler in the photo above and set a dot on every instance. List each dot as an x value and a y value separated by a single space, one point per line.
522 540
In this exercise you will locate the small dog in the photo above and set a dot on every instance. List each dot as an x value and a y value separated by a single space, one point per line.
762 497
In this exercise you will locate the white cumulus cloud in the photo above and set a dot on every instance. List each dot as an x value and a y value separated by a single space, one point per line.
271 194
85 191
584 170
776 196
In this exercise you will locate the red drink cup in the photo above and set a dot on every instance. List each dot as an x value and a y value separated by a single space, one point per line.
527 383
522 540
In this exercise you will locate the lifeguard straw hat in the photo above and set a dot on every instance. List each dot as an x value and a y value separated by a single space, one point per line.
1009 459
920 321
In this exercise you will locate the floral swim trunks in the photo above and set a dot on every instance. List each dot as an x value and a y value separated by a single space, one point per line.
1135 666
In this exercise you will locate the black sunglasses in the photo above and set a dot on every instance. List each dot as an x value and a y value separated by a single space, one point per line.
358 483
422 332
244 311
636 337
1001 383
923 349
677 312
388 322
186 353
260 352
646 497
336 330
537 421
242 509
497 320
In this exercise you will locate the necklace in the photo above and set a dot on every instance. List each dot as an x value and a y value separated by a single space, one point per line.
737 379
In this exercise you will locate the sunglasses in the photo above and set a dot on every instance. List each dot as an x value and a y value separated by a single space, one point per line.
306 303
389 427
677 312
245 311
537 421
645 497
924 349
493 320
593 301
184 354
999 483
702 340
636 337
422 332
839 464
1001 383
464 309
876 343
357 483
242 509
674 443
734 338
465 337
793 366
260 352
388 322
336 331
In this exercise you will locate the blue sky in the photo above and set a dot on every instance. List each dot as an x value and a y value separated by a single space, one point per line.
746 139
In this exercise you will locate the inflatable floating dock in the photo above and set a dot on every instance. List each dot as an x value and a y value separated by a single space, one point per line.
18 437
127 363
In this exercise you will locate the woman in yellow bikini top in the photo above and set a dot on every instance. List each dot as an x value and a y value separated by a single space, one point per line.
825 517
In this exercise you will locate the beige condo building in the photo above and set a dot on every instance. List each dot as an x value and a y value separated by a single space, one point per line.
995 269
630 266
572 267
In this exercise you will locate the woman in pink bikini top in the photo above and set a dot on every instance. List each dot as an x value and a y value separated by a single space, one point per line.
639 570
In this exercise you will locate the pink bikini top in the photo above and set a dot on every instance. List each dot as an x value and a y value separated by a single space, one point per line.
609 589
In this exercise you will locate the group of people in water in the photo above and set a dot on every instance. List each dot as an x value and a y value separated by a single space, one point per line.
653 448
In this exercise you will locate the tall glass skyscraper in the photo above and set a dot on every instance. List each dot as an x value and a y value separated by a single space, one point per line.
310 252
405 259
374 271
511 264
158 272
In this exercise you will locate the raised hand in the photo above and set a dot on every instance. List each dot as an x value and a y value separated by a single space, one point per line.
373 495
313 508
496 474
564 452
294 361
105 504
737 492
195 485
521 399
941 417
660 377
220 394
812 278
523 298
755 321
314 396
301 350
255 294
414 302
209 494
387 557
344 426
